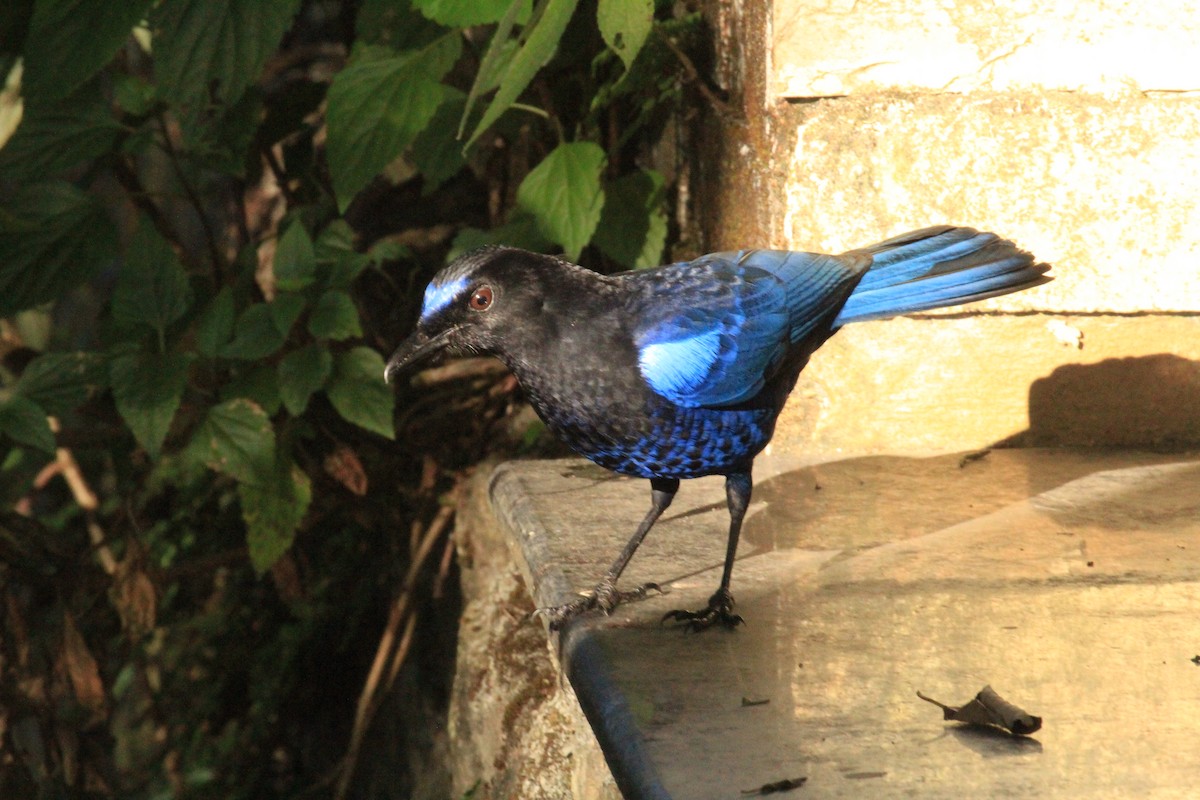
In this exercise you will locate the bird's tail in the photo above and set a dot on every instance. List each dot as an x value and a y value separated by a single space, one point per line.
937 267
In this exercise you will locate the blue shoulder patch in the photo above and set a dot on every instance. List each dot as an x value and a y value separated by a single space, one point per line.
678 368
438 296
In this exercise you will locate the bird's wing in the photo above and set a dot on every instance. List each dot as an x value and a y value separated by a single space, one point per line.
709 332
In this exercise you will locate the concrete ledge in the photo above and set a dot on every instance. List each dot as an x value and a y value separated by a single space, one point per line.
1067 579
516 729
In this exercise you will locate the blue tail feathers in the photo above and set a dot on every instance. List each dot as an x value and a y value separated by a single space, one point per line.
938 267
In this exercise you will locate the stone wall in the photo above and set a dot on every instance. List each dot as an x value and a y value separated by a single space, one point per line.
515 726
1072 128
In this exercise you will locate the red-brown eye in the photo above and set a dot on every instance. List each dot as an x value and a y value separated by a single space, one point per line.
481 300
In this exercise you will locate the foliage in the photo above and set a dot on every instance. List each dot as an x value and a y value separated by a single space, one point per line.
213 217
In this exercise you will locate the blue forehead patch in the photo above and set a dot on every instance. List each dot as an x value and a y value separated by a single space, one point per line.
438 296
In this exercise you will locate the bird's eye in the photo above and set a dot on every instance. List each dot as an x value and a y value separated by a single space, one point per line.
481 299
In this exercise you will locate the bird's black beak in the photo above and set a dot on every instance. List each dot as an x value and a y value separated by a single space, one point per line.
414 349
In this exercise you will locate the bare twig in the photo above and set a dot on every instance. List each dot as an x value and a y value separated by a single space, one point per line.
66 465
385 657
214 251
694 76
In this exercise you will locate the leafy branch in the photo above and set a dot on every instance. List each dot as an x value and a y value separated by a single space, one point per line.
214 217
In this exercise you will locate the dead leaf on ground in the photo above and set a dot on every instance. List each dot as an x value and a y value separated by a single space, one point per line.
989 708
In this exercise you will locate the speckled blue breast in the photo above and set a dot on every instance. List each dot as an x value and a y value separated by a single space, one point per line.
667 442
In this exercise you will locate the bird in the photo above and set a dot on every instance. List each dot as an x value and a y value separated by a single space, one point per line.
680 371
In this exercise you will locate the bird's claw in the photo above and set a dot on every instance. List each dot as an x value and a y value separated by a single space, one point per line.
718 610
604 598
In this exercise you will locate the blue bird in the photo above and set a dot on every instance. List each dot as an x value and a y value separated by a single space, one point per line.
681 371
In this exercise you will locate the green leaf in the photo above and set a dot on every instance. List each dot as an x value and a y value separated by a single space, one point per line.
215 324
258 384
52 237
302 372
227 42
377 107
335 251
273 510
236 439
395 24
55 136
147 388
152 288
285 309
71 40
563 193
134 94
220 141
263 328
464 13
435 151
633 227
334 317
24 421
495 63
521 231
295 259
542 37
61 382
358 392
625 24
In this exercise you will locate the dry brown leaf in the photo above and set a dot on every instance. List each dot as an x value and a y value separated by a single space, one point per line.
344 466
16 631
133 596
989 708
81 667
286 578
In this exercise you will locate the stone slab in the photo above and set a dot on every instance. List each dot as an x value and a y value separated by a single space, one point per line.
1102 189
938 385
1066 579
823 48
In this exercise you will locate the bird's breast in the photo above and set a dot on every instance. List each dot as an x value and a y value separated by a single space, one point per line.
656 438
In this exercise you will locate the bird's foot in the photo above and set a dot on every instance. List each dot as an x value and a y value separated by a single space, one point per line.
718 610
604 598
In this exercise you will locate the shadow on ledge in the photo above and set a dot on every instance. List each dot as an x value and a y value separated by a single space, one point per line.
1149 404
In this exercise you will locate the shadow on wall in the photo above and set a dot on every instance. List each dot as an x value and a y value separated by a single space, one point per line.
1145 401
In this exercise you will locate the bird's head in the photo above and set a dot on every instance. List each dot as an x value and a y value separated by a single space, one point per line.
475 304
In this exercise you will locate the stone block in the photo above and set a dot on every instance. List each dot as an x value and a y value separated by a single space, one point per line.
941 385
841 47
1102 189
515 725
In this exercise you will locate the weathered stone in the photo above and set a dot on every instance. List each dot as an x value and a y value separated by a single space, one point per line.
1067 579
823 49
1103 190
936 385
516 728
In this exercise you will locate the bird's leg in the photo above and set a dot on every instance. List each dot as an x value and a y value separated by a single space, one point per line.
605 596
738 486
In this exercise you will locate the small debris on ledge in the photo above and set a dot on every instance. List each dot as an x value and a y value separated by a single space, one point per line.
777 786
973 456
989 708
